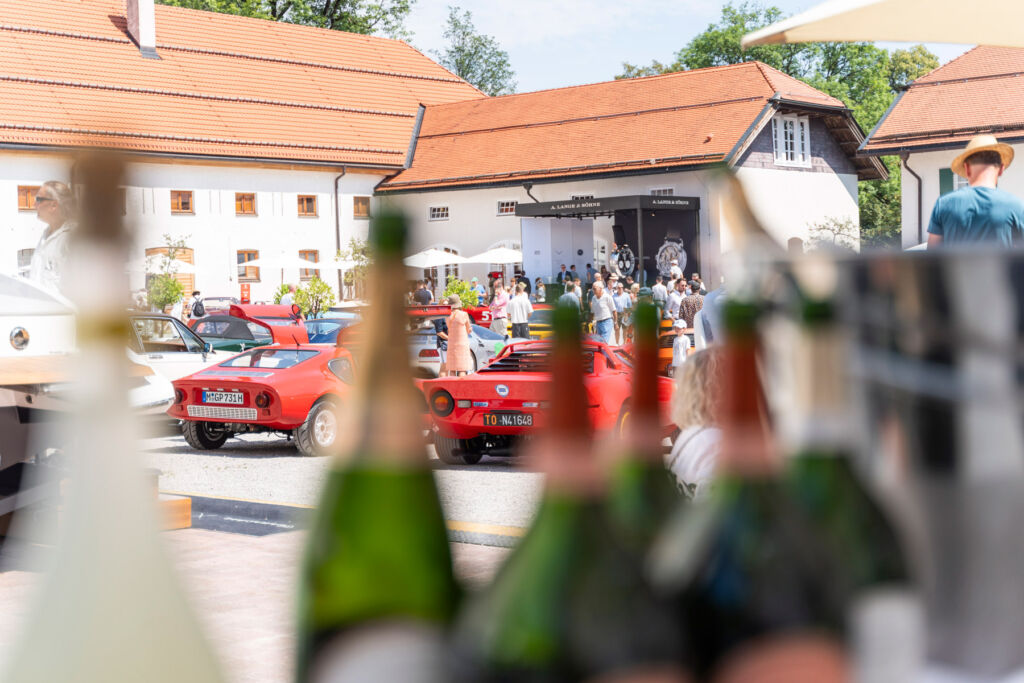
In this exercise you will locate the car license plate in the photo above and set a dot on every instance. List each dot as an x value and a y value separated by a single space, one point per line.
232 397
508 420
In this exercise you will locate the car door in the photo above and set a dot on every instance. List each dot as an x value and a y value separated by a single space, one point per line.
171 348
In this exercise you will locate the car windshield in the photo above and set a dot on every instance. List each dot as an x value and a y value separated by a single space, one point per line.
541 315
269 358
487 334
277 322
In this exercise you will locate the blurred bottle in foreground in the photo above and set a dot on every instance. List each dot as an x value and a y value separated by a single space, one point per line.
752 578
377 590
885 618
570 603
641 491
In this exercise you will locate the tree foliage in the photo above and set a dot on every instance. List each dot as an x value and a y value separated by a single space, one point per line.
474 57
862 75
384 17
315 298
467 295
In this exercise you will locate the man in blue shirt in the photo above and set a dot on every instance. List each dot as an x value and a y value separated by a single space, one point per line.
980 212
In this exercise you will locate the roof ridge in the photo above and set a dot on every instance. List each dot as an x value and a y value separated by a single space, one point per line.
949 63
671 74
779 72
202 96
595 117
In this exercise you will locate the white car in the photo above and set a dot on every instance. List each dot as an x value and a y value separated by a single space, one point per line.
170 347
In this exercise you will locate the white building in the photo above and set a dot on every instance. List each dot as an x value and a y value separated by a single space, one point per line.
932 120
478 164
246 137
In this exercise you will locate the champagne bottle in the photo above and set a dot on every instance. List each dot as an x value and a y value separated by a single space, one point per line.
642 492
377 590
884 612
570 603
753 579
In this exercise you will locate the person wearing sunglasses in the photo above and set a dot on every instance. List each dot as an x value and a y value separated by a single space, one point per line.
55 207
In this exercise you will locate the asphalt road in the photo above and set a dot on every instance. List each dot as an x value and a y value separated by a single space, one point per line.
266 467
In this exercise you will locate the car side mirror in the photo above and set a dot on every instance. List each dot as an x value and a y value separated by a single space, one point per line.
207 347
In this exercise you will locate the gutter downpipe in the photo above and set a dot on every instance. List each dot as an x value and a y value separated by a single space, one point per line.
920 204
337 231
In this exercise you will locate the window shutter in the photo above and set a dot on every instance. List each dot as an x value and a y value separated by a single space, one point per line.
945 181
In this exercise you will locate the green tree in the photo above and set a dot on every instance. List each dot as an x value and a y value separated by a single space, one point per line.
862 75
315 298
474 57
467 295
385 17
358 253
163 289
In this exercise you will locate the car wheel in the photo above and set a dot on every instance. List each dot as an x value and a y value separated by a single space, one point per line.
622 423
318 434
205 436
472 457
476 363
446 448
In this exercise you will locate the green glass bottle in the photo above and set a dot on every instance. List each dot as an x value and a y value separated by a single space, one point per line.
570 603
641 491
884 611
377 590
752 578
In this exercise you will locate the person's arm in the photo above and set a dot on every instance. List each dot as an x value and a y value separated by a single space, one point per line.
934 241
936 225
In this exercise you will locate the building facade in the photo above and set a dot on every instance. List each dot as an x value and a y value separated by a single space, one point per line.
932 120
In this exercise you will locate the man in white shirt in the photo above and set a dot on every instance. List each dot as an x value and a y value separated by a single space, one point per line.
623 304
602 307
674 299
675 271
659 292
519 311
289 298
55 207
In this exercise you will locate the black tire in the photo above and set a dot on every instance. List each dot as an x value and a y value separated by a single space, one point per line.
620 422
472 457
318 435
204 436
445 448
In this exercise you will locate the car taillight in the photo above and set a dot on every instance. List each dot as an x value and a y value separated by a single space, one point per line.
441 403
429 353
179 396
262 400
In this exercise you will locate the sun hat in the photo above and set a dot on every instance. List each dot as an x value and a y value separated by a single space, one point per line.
454 301
982 143
679 323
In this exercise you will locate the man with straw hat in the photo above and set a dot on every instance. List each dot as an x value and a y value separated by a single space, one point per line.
980 212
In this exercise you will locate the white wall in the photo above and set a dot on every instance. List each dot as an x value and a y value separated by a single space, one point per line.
213 231
927 165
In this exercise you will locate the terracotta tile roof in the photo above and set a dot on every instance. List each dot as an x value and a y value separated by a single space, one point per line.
982 91
224 86
673 120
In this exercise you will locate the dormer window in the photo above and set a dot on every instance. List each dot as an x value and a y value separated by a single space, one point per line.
792 139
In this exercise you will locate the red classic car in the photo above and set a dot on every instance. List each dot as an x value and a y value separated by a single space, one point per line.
290 387
487 412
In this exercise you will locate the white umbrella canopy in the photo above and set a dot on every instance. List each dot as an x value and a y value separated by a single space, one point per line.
431 258
498 255
979 22
158 264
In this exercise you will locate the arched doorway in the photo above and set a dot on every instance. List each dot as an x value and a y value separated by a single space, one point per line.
185 254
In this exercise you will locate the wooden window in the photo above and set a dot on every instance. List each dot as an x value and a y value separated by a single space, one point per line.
360 207
438 213
181 201
307 205
309 255
248 273
507 208
27 197
245 203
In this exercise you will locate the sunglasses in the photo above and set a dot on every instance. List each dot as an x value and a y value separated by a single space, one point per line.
44 199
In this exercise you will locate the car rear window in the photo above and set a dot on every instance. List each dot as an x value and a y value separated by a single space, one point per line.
269 358
278 322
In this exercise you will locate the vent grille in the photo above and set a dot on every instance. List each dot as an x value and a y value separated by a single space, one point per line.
222 412
532 362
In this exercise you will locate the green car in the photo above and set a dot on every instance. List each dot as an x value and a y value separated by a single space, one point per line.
228 333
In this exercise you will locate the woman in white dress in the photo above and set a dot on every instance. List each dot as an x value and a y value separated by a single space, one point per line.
694 406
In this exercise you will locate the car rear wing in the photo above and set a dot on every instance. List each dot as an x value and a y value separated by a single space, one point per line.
292 333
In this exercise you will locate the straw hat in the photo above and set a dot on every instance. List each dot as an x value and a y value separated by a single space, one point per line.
454 301
982 143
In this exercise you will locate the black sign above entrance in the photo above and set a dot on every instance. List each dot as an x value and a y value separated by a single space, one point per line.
606 206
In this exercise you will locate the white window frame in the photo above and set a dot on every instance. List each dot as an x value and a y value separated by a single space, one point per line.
959 182
505 204
438 213
663 191
792 151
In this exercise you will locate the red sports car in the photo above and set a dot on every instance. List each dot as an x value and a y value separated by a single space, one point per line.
487 412
288 387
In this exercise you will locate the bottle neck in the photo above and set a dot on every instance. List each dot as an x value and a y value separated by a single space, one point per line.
643 419
746 449
820 400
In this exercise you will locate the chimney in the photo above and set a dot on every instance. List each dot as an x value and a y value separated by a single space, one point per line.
142 26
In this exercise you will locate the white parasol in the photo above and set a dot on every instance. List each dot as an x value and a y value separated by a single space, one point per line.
159 263
980 22
432 258
498 255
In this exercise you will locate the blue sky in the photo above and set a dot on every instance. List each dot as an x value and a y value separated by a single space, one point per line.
554 43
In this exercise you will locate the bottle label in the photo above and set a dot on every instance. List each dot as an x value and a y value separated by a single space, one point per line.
796 658
887 630
386 651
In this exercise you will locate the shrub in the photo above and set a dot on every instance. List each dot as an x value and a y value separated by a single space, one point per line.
281 291
461 289
164 290
315 298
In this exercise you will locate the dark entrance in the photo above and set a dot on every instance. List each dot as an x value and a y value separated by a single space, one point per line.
651 230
